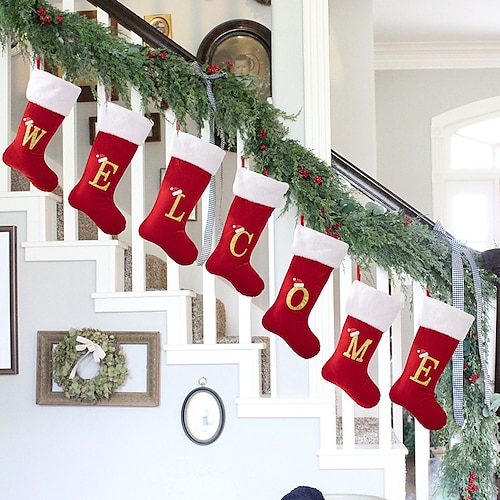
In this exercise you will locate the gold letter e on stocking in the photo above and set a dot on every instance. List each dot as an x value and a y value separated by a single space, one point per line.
103 174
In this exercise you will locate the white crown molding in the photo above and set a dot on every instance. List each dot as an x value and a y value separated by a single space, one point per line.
437 55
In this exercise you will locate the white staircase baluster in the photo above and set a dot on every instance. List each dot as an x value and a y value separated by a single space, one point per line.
421 433
209 298
137 197
245 319
347 403
384 373
321 322
69 161
102 17
396 359
173 269
244 303
272 294
209 309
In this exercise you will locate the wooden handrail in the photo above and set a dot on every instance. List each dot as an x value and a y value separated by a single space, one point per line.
131 21
355 176
373 189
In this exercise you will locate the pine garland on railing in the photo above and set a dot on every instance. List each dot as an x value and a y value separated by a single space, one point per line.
82 48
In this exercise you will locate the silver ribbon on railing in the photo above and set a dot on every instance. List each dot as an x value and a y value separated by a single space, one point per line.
93 349
212 199
458 292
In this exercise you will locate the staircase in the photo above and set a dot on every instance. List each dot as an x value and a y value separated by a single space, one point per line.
206 322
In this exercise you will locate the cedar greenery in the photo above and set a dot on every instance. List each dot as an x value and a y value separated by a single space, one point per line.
85 49
112 368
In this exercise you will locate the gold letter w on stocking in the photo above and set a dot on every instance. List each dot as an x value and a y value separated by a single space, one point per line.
33 136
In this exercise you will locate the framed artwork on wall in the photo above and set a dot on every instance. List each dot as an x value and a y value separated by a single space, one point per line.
8 301
203 415
162 22
247 44
141 387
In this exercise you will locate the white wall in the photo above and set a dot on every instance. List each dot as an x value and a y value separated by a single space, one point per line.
406 102
352 82
103 453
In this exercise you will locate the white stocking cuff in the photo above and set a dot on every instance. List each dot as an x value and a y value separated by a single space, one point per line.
259 188
443 318
372 306
318 246
124 123
194 150
51 92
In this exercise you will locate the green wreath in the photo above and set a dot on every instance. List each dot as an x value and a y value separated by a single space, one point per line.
70 352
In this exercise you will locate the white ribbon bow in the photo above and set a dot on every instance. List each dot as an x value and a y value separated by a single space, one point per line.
93 348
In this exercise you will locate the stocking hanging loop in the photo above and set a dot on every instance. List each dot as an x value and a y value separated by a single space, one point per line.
207 235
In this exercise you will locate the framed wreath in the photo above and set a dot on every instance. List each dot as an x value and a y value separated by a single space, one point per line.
88 365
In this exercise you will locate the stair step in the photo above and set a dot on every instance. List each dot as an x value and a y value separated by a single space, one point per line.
365 431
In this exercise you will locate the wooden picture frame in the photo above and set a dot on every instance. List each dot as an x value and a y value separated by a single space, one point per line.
241 40
153 136
162 22
9 364
203 416
140 344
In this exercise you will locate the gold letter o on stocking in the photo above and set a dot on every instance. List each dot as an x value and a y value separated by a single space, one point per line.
302 303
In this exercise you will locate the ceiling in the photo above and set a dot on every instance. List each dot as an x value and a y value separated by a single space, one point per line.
436 20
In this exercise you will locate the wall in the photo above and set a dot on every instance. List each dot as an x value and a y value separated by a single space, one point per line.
406 101
99 453
352 82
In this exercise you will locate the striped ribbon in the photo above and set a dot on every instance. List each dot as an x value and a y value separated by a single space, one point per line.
457 249
212 198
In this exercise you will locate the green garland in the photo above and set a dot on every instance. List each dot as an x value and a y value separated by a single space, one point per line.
112 368
85 49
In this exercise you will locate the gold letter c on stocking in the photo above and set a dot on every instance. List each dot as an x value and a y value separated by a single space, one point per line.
234 241
302 303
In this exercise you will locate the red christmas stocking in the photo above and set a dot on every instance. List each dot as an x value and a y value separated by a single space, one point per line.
50 100
441 328
370 312
256 196
193 162
120 133
314 257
